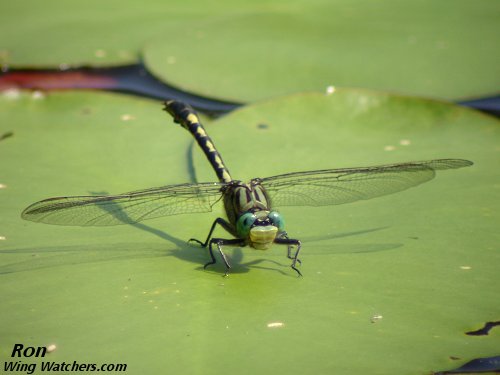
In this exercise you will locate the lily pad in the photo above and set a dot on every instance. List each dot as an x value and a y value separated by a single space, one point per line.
243 51
418 267
424 48
56 33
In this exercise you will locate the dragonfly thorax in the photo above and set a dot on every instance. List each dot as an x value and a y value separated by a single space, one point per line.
240 198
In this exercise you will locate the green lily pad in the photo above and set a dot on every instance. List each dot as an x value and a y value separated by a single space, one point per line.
424 48
244 51
390 285
90 32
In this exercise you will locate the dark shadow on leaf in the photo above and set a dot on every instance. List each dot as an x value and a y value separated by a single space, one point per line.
48 257
235 257
479 365
485 330
311 243
190 163
340 235
352 248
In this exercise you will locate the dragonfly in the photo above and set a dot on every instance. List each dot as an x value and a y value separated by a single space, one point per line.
251 215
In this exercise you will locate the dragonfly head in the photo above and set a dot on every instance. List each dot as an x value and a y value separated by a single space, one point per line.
260 228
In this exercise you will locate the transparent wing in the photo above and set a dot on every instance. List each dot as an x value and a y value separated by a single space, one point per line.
125 208
338 186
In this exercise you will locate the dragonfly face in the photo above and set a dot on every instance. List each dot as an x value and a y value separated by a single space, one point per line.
260 228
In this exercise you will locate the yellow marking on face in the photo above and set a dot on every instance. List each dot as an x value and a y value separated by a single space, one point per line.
261 238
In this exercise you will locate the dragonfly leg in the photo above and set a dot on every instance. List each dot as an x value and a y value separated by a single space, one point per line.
284 235
294 257
223 223
219 242
291 242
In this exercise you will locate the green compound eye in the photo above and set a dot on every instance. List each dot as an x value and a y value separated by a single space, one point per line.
277 220
244 224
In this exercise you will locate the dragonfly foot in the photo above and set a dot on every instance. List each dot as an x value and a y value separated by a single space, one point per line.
296 269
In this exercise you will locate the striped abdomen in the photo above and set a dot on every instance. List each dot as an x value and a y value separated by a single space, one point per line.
186 116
